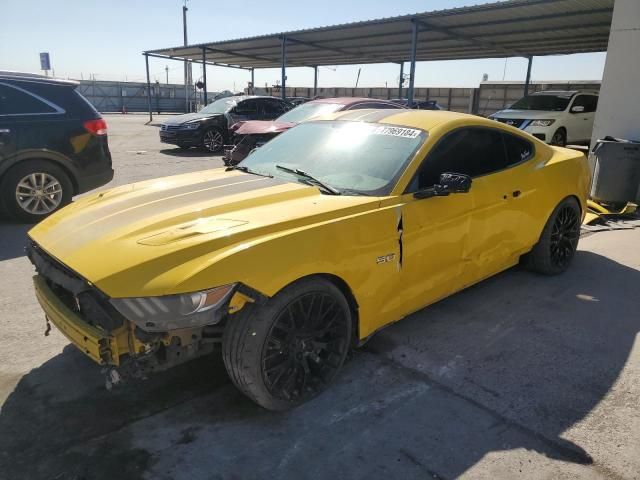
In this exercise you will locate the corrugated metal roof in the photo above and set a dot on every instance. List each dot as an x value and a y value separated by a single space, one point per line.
502 29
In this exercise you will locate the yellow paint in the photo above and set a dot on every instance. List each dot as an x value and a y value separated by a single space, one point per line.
596 211
146 239
90 340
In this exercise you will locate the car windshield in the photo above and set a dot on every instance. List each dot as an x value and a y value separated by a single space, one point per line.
354 158
308 110
221 105
554 103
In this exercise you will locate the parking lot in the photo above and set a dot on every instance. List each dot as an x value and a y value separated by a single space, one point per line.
521 376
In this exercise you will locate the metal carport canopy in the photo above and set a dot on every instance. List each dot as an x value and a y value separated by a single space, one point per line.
523 28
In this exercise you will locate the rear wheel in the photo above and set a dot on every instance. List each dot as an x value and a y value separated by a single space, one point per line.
287 351
33 190
558 242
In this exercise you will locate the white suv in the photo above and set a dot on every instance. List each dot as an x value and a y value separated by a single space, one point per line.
555 117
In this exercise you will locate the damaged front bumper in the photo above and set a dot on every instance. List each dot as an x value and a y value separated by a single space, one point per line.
86 317
102 347
135 353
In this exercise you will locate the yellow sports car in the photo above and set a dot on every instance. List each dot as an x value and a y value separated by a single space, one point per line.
314 242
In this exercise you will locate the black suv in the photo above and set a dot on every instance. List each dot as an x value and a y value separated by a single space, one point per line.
209 128
53 145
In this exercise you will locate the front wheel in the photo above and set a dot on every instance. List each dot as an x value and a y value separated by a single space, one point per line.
559 138
558 242
287 351
213 140
34 189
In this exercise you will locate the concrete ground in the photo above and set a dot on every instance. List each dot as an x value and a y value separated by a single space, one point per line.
521 376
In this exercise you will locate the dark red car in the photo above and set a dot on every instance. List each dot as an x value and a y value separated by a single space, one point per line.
253 134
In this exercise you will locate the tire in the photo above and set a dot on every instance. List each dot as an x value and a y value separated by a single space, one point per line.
28 178
270 356
213 140
559 138
558 242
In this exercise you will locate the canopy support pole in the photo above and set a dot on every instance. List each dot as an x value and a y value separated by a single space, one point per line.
315 80
412 69
528 79
253 81
283 60
146 61
401 81
204 74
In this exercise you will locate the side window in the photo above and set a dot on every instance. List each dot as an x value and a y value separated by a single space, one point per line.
518 149
472 151
17 102
273 108
589 102
248 107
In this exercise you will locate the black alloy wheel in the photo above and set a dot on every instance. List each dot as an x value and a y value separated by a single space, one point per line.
212 140
564 237
287 350
305 347
558 241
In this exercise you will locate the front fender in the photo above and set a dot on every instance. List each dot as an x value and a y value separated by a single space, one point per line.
347 248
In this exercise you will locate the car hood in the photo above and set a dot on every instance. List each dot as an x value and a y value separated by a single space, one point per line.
188 117
527 114
124 239
256 127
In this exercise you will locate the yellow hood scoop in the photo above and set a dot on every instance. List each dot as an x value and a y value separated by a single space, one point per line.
192 229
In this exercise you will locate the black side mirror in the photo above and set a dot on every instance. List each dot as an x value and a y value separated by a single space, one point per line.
449 183
455 182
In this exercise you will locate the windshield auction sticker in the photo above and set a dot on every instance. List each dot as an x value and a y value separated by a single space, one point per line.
397 132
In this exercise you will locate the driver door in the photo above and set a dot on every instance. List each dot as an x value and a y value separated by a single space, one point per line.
434 237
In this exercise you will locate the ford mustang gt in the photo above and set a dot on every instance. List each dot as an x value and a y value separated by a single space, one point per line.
329 232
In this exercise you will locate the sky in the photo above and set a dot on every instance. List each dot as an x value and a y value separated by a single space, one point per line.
106 38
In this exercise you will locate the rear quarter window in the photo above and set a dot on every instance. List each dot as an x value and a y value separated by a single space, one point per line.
18 101
517 149
64 96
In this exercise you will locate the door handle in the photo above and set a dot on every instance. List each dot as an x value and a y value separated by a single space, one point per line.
516 193
5 130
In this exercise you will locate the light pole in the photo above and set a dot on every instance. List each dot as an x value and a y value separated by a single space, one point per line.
187 67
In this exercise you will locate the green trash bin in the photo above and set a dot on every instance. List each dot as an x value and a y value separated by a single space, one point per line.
616 174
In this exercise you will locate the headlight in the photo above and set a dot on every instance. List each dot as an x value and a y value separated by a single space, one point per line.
171 312
541 123
191 126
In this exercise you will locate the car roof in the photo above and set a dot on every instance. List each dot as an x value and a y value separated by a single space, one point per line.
241 98
423 119
348 100
36 78
565 93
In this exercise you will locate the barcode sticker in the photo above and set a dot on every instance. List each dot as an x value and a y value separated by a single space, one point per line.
397 132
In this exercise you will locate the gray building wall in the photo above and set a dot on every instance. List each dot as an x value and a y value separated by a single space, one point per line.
484 100
109 96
